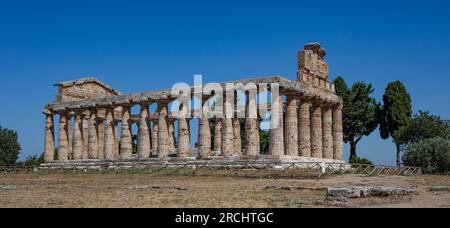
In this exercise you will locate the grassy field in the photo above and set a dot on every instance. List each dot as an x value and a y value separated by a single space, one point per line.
143 190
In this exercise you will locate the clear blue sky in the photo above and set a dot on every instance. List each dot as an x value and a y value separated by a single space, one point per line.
141 45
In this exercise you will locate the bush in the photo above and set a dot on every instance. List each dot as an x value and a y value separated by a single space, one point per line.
34 160
433 155
360 161
9 147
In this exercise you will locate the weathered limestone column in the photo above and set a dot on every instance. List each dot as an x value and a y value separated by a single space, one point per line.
204 135
85 134
171 135
184 144
252 147
316 131
338 135
227 130
327 132
63 143
237 143
305 128
154 137
163 131
116 139
218 137
109 135
49 144
276 136
77 137
126 147
292 126
143 150
101 134
69 135
93 136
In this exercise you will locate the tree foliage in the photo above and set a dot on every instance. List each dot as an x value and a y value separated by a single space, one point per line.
395 116
359 112
9 146
433 155
426 126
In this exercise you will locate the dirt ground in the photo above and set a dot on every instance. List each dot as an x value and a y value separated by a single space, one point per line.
141 190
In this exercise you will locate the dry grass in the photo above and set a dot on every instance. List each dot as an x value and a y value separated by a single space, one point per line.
143 190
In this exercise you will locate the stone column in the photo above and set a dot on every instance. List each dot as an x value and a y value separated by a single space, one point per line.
171 135
93 136
69 135
85 133
327 132
252 146
276 136
338 135
227 130
184 144
77 137
126 149
101 134
143 150
109 135
49 144
155 137
116 150
204 135
163 131
305 128
237 143
63 144
218 137
316 131
292 126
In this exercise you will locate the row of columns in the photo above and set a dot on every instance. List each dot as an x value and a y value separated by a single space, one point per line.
303 128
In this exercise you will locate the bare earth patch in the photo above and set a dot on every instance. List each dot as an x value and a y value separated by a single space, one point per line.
142 190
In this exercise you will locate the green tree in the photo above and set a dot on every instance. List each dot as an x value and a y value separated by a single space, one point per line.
359 113
395 116
9 146
426 126
432 154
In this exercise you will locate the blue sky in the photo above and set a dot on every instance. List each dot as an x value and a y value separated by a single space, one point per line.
141 45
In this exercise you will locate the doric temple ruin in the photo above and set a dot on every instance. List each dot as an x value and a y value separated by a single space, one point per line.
94 121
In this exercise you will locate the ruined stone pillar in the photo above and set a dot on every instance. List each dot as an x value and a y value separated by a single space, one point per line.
126 147
171 135
292 126
218 137
101 134
305 128
227 130
276 136
109 135
63 143
78 137
163 131
85 133
184 144
252 146
338 135
143 150
316 131
204 134
49 144
116 150
327 132
154 137
237 143
93 136
69 136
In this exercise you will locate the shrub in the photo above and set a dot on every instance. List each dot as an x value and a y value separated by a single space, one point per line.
360 161
433 155
9 147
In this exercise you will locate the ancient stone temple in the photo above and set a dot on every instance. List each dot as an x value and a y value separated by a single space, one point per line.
90 121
